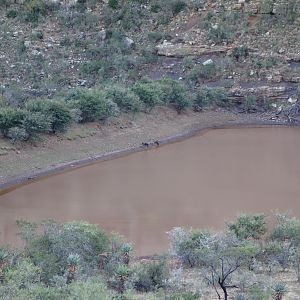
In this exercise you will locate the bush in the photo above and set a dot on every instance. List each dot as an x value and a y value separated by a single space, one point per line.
240 52
150 277
177 6
93 105
219 34
185 245
50 249
9 118
249 226
12 14
156 36
149 92
34 10
176 93
197 4
4 3
203 71
210 97
249 104
59 114
183 296
35 122
124 98
113 4
17 134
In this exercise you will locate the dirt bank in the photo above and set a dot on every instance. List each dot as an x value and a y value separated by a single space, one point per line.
87 144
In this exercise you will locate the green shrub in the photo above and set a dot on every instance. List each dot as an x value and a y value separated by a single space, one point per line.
219 34
175 92
12 13
240 297
263 63
249 104
249 226
57 111
258 292
150 277
149 92
185 245
183 296
93 105
240 52
35 122
22 275
177 6
197 4
81 5
203 71
156 36
4 3
9 118
34 10
155 7
92 288
51 248
210 97
17 134
124 98
113 4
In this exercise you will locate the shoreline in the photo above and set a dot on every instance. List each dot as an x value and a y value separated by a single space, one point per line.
59 168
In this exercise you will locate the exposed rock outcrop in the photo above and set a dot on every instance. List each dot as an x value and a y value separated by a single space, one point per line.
180 50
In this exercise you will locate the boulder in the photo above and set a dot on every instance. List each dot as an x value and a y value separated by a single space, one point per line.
169 49
129 42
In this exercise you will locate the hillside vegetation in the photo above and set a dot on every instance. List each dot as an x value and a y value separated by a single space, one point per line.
85 61
79 261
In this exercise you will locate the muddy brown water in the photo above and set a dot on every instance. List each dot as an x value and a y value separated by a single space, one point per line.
199 182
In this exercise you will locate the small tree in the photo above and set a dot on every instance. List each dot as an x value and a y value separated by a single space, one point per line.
219 256
224 256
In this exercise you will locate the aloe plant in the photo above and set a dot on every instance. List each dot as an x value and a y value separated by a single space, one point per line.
279 290
122 273
72 261
126 249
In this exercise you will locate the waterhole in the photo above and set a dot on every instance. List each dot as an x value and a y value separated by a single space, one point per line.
199 182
